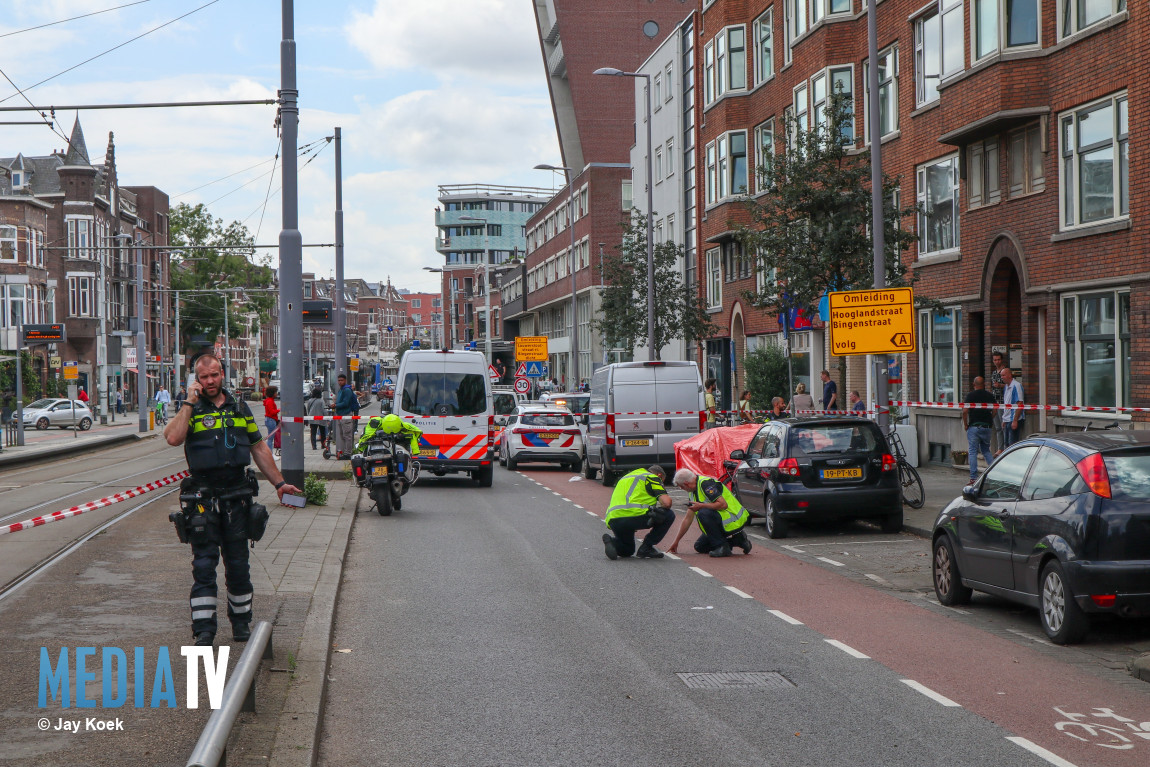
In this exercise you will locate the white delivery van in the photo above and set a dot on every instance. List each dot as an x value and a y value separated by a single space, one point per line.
636 414
447 394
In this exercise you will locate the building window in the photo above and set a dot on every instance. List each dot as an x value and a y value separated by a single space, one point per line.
887 92
1096 349
80 296
1027 174
1001 24
764 33
982 173
796 22
714 279
802 108
79 238
670 157
940 338
725 63
727 166
709 72
765 151
658 164
415 304
712 170
628 201
938 49
938 197
823 86
1095 162
670 82
657 93
8 243
1077 15
17 179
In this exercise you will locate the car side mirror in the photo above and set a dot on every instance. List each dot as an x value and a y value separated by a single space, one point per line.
738 455
385 406
970 493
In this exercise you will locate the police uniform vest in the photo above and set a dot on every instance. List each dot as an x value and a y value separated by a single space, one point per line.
630 497
219 440
733 517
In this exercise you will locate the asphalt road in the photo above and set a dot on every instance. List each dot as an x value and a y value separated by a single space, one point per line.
485 626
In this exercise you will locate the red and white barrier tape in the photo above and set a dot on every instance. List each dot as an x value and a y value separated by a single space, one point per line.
836 412
999 406
91 506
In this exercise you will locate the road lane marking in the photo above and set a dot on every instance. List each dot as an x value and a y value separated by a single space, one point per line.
734 590
669 555
702 572
934 601
555 493
1038 750
847 649
794 549
783 616
830 562
758 537
1029 636
877 579
859 543
591 513
578 506
566 499
936 697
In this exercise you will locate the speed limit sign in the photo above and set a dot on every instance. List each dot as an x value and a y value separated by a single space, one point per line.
522 385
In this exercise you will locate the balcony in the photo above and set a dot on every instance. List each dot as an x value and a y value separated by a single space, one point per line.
988 101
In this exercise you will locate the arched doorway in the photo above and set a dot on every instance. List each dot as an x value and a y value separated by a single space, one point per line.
1004 330
739 349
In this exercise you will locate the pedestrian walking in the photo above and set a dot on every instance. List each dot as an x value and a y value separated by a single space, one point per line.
120 400
830 391
315 408
272 415
217 513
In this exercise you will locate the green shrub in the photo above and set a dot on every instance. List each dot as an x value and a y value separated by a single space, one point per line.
315 490
766 369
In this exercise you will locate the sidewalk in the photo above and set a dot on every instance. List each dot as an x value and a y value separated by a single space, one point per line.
44 445
941 484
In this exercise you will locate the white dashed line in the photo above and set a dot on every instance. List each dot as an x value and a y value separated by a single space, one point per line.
669 555
794 549
877 579
578 506
703 573
934 601
847 649
936 697
784 617
555 493
830 562
1038 750
757 537
1029 636
591 513
567 499
742 594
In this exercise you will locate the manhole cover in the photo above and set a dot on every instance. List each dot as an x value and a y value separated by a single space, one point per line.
726 680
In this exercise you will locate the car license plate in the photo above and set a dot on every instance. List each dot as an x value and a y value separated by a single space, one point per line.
428 452
854 473
636 443
549 435
379 471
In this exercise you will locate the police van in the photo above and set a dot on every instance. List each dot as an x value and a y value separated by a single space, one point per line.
447 394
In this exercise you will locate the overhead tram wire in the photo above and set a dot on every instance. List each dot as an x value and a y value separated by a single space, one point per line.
114 48
73 18
268 195
238 172
263 206
50 123
257 178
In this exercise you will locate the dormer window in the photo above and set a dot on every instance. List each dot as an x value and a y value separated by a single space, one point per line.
17 179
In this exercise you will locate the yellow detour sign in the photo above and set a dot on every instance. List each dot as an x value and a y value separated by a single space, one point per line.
353 364
71 371
530 348
872 321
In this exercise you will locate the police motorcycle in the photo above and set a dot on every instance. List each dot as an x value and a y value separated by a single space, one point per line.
386 468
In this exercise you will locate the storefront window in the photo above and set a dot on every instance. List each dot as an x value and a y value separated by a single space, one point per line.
939 341
1096 349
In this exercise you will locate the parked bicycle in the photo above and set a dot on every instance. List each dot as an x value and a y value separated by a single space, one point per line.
913 494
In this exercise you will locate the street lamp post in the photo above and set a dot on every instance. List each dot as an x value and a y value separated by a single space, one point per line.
449 339
651 351
574 288
141 366
486 285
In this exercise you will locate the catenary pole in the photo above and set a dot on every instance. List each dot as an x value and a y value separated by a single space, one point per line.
652 352
340 301
877 228
291 259
141 360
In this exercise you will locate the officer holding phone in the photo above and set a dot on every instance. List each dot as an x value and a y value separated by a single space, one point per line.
217 510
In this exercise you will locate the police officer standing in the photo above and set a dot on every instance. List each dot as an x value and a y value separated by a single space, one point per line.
721 516
220 439
639 501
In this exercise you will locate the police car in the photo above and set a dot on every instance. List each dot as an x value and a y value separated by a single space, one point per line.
542 434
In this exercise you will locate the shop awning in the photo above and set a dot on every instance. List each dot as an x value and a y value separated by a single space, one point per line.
269 366
133 370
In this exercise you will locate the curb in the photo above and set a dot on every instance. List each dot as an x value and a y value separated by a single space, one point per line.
52 452
1139 667
301 721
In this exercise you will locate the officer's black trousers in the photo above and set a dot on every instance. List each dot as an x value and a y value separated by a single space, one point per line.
624 528
714 536
205 557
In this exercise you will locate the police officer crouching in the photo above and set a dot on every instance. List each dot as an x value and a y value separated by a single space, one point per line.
721 516
217 514
638 502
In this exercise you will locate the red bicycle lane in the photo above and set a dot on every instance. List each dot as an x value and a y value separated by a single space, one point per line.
1082 718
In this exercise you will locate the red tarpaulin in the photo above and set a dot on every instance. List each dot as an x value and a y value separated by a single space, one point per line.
705 452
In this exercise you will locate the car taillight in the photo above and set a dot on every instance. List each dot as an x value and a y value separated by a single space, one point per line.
1093 472
789 467
1104 600
702 420
610 428
490 430
358 471
889 462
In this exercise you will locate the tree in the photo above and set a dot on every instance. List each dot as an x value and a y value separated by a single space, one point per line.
766 369
679 311
811 231
224 258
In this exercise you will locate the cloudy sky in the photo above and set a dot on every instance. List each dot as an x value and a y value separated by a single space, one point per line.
427 93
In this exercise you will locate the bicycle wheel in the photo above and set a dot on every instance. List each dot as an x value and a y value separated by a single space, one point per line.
912 492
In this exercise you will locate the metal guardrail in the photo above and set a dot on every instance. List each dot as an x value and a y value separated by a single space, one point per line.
239 695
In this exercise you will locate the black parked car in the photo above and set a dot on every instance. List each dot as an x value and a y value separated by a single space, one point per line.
1061 523
818 468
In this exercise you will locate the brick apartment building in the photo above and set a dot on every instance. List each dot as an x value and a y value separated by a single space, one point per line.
425 318
1010 130
70 237
596 124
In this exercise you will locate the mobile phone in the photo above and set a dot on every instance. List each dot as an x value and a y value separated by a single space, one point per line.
293 500
191 380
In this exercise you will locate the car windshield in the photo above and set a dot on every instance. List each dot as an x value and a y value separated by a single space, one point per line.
1129 475
547 419
40 404
444 394
834 438
574 403
503 403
